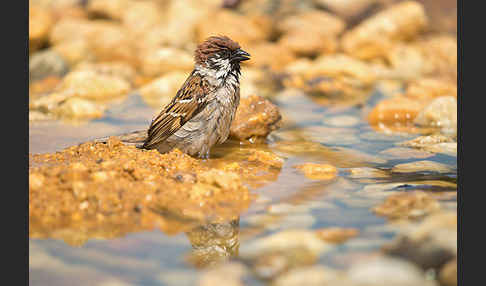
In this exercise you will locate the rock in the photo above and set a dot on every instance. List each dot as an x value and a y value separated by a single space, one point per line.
311 276
421 166
263 56
35 115
139 16
336 234
75 51
311 33
366 172
43 86
94 84
407 206
115 69
229 23
255 118
442 113
112 9
78 108
330 75
155 62
68 30
306 241
441 54
382 271
318 171
46 63
430 88
85 182
231 274
398 110
424 141
160 91
436 143
430 243
36 181
40 23
377 34
266 158
179 29
448 273
348 9
112 42
107 41
275 254
405 153
405 61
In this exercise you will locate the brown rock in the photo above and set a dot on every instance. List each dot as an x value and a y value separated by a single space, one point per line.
318 171
311 33
348 9
242 29
398 110
255 118
405 153
107 41
155 62
75 51
78 108
440 53
336 234
421 166
94 84
112 9
160 91
264 55
407 206
430 243
377 34
71 189
430 88
448 273
40 23
330 75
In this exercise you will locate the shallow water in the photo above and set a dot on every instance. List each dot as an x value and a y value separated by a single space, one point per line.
308 135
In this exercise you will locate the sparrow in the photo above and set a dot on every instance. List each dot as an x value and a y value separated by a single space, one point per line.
200 114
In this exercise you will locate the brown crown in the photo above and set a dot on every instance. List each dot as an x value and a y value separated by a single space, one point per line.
213 44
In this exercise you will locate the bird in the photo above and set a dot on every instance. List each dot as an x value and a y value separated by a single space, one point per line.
201 112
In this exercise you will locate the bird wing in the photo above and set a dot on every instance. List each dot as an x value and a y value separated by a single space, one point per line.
187 103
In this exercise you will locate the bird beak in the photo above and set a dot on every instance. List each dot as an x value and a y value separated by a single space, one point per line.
239 55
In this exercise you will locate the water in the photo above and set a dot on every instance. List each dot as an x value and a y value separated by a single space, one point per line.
294 201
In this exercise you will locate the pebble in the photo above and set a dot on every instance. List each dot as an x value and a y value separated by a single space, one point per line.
318 171
407 206
405 153
46 63
311 276
442 113
387 271
421 166
336 234
376 34
429 243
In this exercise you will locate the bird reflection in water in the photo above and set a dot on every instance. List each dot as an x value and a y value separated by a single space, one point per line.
213 243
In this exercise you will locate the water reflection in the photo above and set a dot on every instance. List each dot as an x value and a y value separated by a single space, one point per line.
213 243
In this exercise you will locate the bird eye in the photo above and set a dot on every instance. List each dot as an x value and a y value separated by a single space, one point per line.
225 54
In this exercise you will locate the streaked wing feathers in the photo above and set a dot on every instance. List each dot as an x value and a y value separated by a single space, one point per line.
187 103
